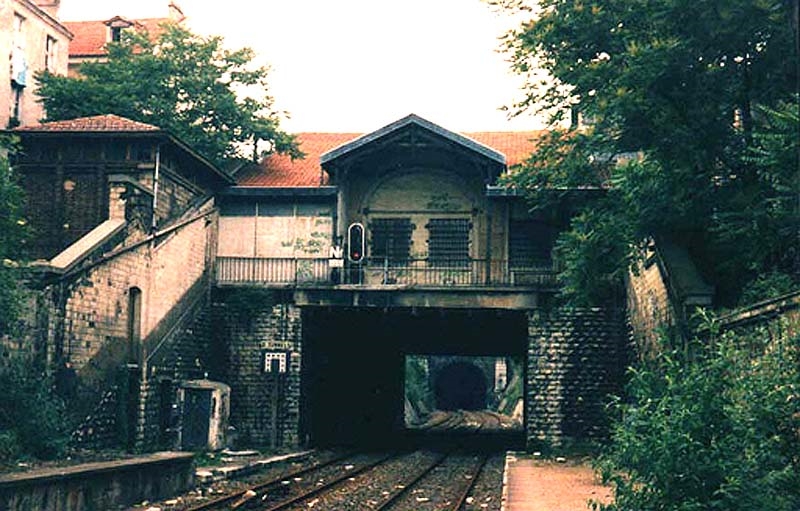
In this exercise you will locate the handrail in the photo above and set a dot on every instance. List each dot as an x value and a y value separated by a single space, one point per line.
415 272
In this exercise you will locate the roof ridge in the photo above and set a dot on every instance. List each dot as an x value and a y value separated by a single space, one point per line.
100 122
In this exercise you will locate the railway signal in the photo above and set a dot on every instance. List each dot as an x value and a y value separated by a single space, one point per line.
355 243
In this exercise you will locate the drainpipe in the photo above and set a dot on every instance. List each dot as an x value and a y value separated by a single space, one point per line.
155 188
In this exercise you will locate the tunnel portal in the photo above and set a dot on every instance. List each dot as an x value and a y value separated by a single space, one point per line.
461 386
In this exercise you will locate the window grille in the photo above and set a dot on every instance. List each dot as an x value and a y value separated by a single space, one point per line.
530 243
390 238
448 241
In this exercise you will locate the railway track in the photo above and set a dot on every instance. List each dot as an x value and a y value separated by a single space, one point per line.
416 481
466 421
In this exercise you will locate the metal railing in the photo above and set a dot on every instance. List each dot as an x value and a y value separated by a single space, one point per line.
378 272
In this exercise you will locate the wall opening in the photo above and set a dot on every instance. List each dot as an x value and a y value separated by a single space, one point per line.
456 392
134 325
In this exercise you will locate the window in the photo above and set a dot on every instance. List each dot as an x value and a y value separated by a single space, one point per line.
448 241
134 323
19 65
390 238
19 23
116 34
16 104
50 54
530 243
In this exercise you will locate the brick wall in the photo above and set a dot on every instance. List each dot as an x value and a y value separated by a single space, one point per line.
88 332
576 359
265 406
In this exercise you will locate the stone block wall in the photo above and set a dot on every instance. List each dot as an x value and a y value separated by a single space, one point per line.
186 352
576 360
650 310
265 405
86 314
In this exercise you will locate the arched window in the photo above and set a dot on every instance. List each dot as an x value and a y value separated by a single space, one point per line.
134 324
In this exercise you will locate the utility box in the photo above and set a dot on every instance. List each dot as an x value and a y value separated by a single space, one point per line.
204 408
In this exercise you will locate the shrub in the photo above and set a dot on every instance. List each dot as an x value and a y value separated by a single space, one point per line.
31 415
712 426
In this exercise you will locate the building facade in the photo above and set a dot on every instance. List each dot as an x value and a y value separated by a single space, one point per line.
441 258
305 286
91 37
125 226
34 41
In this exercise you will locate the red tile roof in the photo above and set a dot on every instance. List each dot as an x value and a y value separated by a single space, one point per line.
97 123
280 171
91 36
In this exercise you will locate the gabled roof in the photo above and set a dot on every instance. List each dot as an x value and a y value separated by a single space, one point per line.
90 37
281 171
108 123
409 120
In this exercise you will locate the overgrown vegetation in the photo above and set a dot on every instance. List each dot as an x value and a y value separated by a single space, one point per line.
214 99
690 125
31 414
711 425
13 232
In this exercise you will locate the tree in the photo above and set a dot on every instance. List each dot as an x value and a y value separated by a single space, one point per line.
181 82
681 87
13 230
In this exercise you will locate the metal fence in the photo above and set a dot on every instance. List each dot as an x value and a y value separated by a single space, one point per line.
377 272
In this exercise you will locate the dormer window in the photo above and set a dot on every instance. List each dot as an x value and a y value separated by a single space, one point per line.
115 27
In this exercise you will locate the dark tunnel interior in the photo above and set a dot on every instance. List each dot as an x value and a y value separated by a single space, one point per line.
461 386
353 360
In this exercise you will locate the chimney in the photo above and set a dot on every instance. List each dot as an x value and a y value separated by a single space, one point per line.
49 6
176 13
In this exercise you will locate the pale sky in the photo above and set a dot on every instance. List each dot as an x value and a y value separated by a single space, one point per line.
357 65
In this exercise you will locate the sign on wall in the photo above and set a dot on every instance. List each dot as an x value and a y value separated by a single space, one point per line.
275 361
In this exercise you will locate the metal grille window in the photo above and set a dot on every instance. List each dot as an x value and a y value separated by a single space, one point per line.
530 244
390 238
448 241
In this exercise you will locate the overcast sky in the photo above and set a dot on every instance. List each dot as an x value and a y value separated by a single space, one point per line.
357 65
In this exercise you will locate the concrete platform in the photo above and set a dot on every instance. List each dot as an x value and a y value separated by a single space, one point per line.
234 466
102 485
531 483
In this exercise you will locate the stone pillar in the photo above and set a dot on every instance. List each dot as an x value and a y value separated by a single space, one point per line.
264 350
576 361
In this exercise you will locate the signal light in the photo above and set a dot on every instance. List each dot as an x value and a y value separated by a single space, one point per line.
355 243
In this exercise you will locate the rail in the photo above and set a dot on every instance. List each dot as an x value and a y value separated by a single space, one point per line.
378 272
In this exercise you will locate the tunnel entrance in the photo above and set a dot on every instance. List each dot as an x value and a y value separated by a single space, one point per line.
359 363
461 386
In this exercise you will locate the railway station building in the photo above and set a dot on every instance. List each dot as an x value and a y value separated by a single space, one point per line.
306 288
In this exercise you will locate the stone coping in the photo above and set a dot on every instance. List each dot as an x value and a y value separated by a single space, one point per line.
75 471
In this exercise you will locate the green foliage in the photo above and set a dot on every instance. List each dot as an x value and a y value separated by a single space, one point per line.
13 231
183 83
31 415
711 426
693 130
417 390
